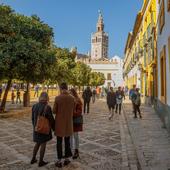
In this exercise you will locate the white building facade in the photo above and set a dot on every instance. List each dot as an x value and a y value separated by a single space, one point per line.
163 60
112 70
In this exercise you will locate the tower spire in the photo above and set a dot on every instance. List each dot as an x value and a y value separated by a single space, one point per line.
100 23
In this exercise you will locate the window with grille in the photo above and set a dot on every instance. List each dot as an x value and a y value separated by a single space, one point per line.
109 76
168 5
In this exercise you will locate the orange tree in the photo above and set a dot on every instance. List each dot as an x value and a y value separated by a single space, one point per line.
25 49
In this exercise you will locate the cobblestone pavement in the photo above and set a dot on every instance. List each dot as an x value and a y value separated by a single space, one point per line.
151 141
104 145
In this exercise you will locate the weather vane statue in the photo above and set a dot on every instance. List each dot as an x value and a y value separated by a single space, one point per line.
100 12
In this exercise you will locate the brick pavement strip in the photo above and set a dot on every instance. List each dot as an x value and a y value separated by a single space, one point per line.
104 144
151 141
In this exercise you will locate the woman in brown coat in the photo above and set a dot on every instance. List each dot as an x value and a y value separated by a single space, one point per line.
77 127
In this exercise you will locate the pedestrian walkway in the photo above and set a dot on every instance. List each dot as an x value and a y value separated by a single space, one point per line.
151 141
102 145
123 143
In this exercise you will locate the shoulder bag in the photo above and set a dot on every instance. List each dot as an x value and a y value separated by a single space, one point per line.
43 124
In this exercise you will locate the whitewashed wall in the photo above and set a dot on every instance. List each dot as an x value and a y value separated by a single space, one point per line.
163 40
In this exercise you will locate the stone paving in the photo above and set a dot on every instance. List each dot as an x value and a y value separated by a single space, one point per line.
123 143
151 141
104 145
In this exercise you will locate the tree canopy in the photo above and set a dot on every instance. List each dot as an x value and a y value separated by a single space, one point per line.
25 48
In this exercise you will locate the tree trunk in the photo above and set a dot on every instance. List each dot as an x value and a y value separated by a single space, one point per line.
26 97
3 103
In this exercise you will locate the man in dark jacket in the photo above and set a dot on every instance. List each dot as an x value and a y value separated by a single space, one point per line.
111 102
87 94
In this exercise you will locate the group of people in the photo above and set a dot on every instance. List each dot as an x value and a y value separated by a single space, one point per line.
114 101
17 96
67 123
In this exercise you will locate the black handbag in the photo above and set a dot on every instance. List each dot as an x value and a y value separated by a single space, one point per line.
78 120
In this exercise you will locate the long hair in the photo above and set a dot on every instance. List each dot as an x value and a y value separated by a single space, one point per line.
74 93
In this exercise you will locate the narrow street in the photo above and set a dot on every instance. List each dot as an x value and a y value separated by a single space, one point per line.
123 143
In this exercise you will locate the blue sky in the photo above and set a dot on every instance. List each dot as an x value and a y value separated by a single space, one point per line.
73 21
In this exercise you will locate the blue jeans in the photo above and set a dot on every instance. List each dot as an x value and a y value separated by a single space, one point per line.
74 140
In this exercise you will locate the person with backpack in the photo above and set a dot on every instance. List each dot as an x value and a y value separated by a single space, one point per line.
136 99
131 92
87 94
119 98
111 102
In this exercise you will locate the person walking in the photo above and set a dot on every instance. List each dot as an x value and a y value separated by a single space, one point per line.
77 123
119 98
97 92
131 92
36 89
12 96
63 109
87 94
18 98
93 95
111 102
41 109
136 97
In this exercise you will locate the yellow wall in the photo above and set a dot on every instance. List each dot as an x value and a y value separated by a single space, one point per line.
148 20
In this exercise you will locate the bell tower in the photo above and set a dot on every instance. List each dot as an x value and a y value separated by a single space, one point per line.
99 41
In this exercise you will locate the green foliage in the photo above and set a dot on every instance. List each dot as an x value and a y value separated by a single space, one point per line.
25 51
61 70
81 75
97 79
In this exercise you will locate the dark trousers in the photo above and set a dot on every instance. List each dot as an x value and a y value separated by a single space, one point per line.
120 107
93 98
68 152
133 107
18 99
137 109
86 105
